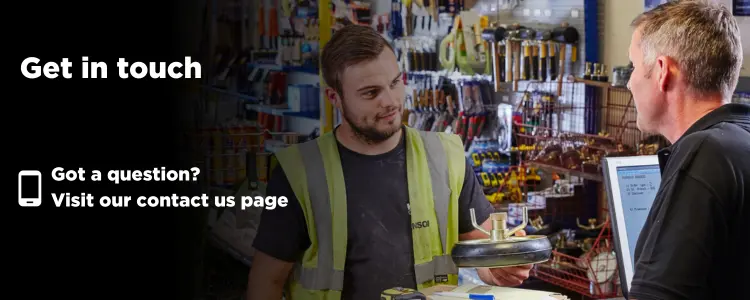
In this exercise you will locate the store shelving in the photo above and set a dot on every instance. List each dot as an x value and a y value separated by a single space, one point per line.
300 69
282 111
230 93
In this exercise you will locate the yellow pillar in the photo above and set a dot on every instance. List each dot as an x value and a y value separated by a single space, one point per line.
325 22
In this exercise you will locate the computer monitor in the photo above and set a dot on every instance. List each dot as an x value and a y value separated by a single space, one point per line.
631 183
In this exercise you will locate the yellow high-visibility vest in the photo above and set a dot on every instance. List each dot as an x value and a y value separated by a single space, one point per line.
435 167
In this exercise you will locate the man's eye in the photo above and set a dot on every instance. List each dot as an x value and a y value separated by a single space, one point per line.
370 94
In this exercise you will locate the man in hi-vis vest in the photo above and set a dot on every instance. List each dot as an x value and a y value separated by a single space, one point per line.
373 204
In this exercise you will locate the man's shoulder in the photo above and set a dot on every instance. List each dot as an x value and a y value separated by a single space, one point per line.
716 157
451 138
720 144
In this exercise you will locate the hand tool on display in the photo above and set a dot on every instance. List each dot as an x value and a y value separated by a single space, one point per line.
273 27
603 74
381 25
564 35
359 13
448 48
495 36
396 23
466 112
543 38
400 293
501 248
512 53
587 71
478 114
454 51
482 52
552 59
262 26
595 75
409 26
527 36
540 59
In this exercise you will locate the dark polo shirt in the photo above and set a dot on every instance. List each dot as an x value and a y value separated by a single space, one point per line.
696 241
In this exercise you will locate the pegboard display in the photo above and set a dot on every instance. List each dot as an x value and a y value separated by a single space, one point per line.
540 15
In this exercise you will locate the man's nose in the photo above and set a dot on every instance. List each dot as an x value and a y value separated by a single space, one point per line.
389 98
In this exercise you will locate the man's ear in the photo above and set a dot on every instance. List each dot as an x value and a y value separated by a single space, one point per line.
665 67
333 97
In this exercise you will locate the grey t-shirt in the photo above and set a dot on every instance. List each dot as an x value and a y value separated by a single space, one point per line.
379 245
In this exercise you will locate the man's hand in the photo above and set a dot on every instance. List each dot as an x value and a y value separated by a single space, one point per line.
507 276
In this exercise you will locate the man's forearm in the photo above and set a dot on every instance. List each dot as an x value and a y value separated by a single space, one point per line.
260 288
267 277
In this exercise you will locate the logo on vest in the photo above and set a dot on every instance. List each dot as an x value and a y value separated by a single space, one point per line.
417 225
441 278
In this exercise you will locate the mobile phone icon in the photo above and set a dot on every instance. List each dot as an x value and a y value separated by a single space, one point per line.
29 188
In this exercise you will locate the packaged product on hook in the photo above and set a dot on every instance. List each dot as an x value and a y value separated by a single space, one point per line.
504 126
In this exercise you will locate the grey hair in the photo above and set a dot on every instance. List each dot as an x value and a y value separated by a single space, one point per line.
701 36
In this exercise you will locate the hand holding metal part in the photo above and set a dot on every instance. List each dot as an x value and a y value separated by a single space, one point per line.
501 248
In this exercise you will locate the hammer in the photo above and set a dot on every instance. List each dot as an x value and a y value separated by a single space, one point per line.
564 35
527 35
543 37
513 61
494 36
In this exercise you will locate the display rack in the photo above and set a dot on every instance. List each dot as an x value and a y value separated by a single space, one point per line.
588 268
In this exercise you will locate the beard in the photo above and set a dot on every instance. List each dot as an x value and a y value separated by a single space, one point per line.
369 133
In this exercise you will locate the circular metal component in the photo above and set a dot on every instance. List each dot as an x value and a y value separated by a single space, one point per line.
602 267
513 251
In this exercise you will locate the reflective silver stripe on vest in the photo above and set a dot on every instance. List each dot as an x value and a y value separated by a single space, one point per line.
441 192
440 265
324 277
319 278
439 173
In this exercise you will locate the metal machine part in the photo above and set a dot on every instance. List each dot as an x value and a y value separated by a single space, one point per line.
502 248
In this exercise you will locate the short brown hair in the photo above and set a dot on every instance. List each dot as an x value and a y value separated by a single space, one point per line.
703 37
350 45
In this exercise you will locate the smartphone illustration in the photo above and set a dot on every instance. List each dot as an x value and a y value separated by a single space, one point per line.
29 188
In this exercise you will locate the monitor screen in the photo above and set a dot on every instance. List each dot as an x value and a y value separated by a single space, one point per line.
631 184
638 187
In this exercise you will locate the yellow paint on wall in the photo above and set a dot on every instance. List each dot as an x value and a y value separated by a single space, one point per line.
617 32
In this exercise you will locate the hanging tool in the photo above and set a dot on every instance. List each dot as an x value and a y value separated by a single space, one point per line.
476 113
359 13
273 26
262 26
448 46
397 27
513 54
552 59
527 36
564 35
409 26
494 37
543 38
501 248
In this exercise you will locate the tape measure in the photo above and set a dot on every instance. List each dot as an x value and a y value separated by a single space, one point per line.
399 293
